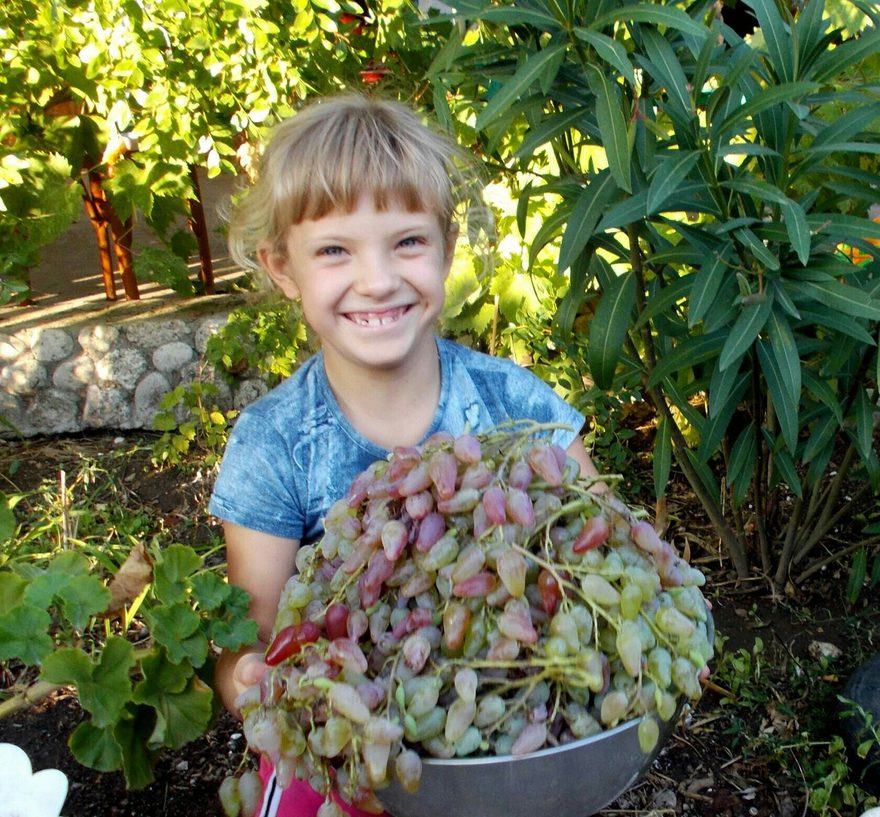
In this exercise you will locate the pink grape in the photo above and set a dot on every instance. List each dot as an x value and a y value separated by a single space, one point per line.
495 504
443 470
431 528
544 463
467 449
519 507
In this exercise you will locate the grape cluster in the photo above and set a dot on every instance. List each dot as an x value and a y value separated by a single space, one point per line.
472 596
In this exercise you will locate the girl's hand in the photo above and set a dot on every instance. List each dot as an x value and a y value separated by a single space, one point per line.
249 670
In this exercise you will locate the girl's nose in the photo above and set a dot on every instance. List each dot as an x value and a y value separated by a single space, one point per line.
377 276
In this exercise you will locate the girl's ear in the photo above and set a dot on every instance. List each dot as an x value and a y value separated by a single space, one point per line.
278 269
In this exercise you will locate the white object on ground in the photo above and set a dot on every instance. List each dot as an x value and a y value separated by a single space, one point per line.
24 793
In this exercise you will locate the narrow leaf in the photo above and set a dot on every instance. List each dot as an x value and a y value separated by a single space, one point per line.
707 281
744 331
609 327
864 431
786 408
785 352
516 86
662 464
849 300
612 126
656 15
764 99
687 354
776 38
668 176
798 230
585 215
608 50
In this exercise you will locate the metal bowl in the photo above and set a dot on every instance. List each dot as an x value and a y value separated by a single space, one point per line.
574 780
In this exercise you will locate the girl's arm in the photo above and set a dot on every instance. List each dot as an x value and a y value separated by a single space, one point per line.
578 452
261 564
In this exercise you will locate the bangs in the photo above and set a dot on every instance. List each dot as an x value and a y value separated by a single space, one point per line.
365 152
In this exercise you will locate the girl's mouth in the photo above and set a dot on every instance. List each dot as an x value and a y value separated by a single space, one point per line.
377 319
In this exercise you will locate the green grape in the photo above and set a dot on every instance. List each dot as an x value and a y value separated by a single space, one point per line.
649 733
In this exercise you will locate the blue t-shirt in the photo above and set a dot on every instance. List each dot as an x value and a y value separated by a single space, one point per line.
293 453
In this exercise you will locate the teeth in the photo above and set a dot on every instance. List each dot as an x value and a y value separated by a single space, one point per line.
374 320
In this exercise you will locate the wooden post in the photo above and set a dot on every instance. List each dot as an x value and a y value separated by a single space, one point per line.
93 197
199 226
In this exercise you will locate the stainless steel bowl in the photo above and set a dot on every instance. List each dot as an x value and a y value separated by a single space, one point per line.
574 780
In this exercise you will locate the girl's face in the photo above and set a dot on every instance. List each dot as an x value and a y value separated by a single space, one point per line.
371 283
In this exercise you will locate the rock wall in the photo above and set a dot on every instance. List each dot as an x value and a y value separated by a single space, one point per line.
109 369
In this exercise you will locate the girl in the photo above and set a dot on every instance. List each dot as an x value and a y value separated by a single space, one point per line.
352 215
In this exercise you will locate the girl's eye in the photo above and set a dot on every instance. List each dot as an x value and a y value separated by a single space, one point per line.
331 251
411 241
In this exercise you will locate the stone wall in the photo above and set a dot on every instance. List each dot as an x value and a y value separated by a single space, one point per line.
109 369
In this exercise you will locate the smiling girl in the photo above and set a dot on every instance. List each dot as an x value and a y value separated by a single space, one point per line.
352 215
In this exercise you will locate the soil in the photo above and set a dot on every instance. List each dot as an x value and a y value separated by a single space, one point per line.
712 766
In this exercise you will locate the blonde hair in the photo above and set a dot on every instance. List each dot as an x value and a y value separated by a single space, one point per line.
335 150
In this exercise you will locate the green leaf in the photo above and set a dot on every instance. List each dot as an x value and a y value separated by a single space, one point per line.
24 634
786 408
669 174
757 247
160 677
864 431
104 688
707 281
662 464
82 598
174 566
762 101
585 215
667 71
814 316
785 352
743 459
839 297
744 331
667 16
776 38
510 15
841 58
609 327
608 50
857 573
516 86
612 126
133 736
7 519
182 716
689 353
209 590
96 747
784 467
821 435
12 587
173 626
795 220
716 426
548 129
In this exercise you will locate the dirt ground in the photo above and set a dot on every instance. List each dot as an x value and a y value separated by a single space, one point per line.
705 770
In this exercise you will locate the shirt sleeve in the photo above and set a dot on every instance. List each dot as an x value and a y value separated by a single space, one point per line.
255 485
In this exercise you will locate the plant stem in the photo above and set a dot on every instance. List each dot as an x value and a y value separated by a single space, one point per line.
29 696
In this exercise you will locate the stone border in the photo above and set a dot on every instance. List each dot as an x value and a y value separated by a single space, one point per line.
111 370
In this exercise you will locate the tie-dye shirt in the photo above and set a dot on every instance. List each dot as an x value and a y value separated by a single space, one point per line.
293 452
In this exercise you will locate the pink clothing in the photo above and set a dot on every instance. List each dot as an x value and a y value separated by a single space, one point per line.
299 799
